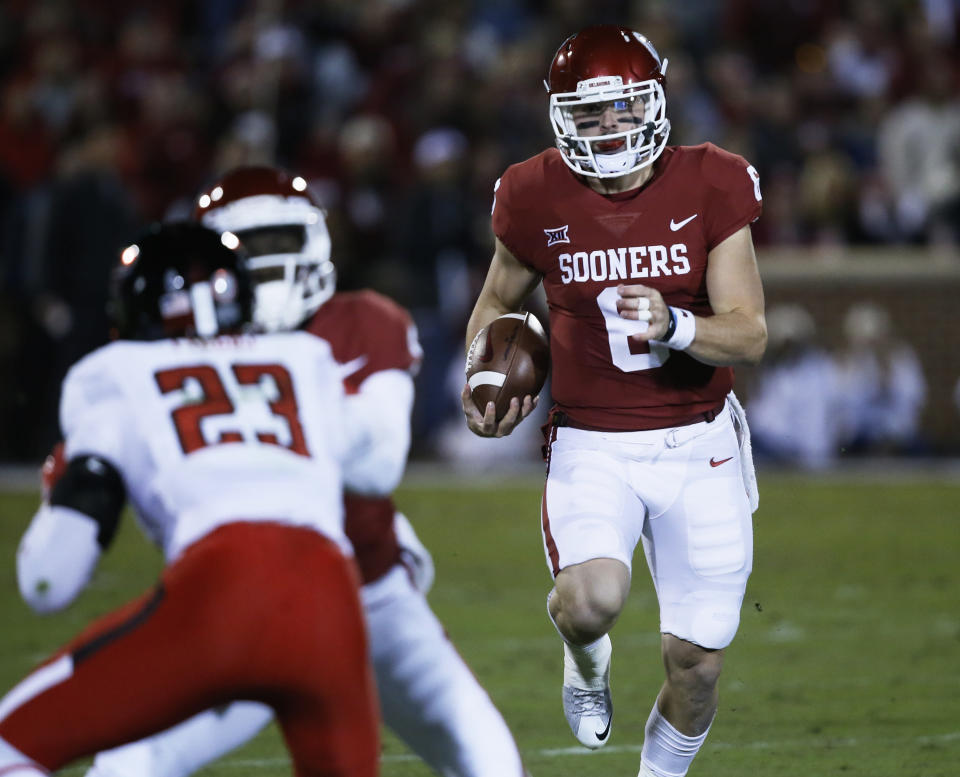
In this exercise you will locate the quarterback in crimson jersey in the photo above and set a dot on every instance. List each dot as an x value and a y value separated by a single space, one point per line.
584 244
645 256
428 695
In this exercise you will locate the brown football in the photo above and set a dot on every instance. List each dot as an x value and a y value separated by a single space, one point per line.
508 358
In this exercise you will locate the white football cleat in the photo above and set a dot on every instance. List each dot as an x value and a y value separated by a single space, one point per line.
587 703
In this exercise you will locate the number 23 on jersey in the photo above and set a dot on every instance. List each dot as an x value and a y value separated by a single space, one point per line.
247 403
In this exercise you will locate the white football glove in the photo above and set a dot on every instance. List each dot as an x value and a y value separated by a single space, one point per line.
56 557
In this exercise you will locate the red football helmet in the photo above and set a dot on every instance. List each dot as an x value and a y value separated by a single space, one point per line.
284 231
602 67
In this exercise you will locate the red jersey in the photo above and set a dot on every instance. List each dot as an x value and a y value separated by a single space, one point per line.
585 244
373 333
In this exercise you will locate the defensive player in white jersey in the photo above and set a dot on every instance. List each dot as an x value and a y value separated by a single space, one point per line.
428 695
230 448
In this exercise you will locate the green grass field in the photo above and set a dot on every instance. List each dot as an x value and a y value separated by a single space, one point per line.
847 661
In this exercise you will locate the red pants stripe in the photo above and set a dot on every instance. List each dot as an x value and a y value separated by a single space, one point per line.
256 611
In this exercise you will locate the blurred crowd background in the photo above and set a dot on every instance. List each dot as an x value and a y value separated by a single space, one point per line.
403 113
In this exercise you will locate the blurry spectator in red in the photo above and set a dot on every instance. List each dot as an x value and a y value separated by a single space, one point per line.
26 150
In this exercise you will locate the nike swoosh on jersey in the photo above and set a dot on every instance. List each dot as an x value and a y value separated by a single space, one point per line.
674 225
714 463
354 365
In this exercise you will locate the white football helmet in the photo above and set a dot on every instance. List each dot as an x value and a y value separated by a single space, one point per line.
284 231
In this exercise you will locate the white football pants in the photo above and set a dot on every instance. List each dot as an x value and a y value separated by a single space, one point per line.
681 493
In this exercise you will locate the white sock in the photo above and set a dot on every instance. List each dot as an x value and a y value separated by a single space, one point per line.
188 746
587 666
666 752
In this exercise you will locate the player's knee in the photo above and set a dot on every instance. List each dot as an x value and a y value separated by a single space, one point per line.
590 600
695 668
587 623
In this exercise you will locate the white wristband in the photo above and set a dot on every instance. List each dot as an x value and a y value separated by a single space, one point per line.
685 331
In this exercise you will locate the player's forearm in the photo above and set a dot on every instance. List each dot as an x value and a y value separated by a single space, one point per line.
76 522
729 339
507 285
488 307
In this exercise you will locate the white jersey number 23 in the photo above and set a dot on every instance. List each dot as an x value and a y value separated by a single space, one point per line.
209 415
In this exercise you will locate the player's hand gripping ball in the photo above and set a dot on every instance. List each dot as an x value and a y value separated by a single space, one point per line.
508 358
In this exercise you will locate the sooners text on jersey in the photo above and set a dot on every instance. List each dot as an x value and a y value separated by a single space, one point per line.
585 244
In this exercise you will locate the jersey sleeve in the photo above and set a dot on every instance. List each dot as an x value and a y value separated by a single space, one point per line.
733 194
396 343
383 407
500 211
369 333
509 222
94 416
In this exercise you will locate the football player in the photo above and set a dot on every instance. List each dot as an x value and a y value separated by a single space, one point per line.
428 695
645 255
230 447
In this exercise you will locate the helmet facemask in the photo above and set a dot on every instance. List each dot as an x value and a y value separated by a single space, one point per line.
643 127
288 246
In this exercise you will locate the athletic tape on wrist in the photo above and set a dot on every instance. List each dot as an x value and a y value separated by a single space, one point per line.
684 331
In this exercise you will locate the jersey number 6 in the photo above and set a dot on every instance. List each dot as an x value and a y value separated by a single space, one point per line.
618 334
